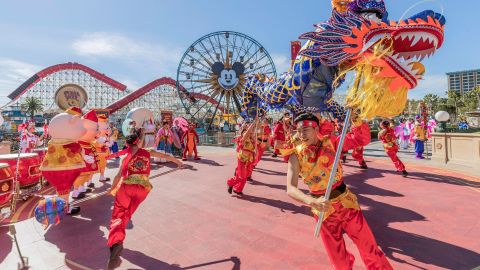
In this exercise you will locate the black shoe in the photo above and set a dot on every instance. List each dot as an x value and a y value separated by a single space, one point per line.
404 173
73 210
107 179
88 190
81 195
344 159
115 251
91 185
238 193
364 165
249 179
230 189
274 155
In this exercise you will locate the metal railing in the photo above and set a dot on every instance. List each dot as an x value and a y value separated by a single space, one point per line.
217 138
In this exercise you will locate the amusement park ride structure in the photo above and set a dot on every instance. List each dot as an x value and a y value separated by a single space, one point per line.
209 85
213 71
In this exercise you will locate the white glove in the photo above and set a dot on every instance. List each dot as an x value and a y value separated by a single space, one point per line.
89 159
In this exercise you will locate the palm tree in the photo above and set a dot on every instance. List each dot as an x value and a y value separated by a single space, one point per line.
31 105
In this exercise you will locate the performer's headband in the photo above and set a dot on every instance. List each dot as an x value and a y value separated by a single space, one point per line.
307 123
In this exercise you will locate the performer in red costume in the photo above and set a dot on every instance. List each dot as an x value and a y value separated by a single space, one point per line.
245 158
263 136
312 161
130 188
387 136
190 140
281 133
28 140
357 154
90 156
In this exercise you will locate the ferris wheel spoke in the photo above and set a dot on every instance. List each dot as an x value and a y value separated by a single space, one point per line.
206 80
208 101
239 49
237 102
220 48
267 64
234 44
216 109
199 62
197 87
199 69
208 51
247 50
214 50
250 58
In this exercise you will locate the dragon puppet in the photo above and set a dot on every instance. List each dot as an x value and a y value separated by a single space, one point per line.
385 56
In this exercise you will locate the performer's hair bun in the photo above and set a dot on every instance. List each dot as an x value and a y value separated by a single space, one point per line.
385 123
131 139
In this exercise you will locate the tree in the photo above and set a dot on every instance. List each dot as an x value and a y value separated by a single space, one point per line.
455 99
432 101
31 105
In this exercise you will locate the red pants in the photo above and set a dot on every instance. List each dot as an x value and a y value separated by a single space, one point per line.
351 222
357 154
258 156
396 161
185 150
242 172
127 200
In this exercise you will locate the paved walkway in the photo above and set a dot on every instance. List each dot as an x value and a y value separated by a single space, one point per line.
375 149
189 221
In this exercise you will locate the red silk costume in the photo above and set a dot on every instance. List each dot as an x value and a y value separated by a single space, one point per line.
132 192
345 216
190 139
262 141
245 158
278 137
387 136
357 154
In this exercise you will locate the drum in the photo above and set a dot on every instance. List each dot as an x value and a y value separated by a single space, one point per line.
41 152
29 171
6 189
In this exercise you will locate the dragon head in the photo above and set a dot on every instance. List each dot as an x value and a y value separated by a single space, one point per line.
359 30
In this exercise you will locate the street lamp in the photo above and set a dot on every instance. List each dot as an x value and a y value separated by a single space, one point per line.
442 117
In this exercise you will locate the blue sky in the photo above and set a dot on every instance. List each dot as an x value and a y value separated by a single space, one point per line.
136 42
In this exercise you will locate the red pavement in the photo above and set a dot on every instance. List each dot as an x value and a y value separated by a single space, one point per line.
189 221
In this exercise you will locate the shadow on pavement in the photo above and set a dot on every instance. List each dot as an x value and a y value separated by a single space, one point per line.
422 249
270 172
146 262
282 205
5 242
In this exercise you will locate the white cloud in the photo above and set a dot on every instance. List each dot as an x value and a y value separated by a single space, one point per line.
131 84
282 63
136 53
12 74
431 84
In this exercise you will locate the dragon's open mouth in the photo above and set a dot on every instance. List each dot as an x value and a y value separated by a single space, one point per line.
409 41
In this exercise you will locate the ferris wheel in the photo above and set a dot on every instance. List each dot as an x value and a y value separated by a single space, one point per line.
211 75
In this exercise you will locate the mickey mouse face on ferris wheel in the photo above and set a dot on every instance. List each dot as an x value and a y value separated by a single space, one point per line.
228 78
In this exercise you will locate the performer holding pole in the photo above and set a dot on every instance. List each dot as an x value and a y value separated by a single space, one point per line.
245 158
316 161
130 187
263 136
387 136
